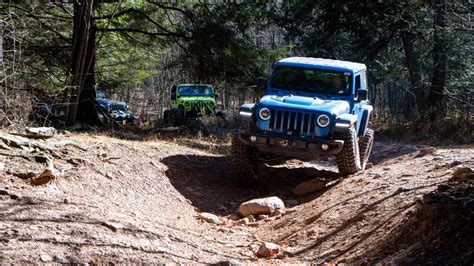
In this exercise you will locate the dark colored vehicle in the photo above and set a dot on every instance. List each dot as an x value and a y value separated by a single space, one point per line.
118 110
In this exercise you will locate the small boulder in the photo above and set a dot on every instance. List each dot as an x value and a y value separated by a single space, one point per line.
44 178
41 132
244 221
425 151
458 171
268 250
309 187
268 206
210 218
45 258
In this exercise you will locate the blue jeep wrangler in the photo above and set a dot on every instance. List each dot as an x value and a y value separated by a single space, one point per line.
117 110
312 107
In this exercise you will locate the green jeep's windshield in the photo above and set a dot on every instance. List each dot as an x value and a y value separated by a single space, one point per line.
311 80
195 91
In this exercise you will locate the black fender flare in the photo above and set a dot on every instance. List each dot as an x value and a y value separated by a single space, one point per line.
364 123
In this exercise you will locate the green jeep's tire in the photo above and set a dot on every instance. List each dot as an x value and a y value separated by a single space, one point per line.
166 117
348 160
176 117
244 165
365 146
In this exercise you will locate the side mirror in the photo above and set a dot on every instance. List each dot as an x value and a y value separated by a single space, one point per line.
217 95
262 85
362 94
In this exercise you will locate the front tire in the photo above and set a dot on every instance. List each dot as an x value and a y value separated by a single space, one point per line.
166 117
176 117
348 160
244 164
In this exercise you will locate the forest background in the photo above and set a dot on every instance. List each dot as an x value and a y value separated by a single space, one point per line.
419 55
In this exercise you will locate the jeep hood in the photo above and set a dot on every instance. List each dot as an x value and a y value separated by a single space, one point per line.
196 98
334 107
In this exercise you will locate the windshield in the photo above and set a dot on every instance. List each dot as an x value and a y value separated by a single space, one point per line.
194 91
100 94
312 80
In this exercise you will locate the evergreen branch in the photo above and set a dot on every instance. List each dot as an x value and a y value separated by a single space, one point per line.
166 34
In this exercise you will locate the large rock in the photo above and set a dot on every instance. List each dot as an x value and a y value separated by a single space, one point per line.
41 132
309 187
460 170
268 206
268 250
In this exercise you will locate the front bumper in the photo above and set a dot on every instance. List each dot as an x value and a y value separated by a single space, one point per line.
291 146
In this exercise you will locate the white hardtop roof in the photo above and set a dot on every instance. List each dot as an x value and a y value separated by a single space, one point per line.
311 61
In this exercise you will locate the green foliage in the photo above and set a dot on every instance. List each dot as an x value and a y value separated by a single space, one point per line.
125 56
120 63
222 43
233 43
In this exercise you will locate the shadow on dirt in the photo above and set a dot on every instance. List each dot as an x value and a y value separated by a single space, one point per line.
383 152
206 182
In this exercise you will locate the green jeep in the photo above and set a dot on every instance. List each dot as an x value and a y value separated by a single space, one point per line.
190 101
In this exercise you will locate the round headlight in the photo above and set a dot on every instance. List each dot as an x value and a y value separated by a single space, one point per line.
323 120
264 113
186 103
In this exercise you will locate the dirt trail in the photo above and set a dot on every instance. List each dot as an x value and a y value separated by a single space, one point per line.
139 201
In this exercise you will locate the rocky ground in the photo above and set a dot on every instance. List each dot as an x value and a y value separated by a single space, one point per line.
105 199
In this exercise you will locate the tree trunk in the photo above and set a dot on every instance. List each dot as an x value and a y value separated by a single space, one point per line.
438 82
82 106
413 65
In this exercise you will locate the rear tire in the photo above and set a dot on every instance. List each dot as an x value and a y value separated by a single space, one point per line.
244 164
365 146
348 160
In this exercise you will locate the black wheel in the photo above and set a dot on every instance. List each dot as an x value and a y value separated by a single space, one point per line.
348 160
166 117
244 164
365 146
176 117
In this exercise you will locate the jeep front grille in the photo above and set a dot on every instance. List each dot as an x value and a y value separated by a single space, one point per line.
117 107
198 105
301 123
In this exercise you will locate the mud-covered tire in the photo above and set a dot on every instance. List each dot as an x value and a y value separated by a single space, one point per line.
365 146
244 165
348 160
